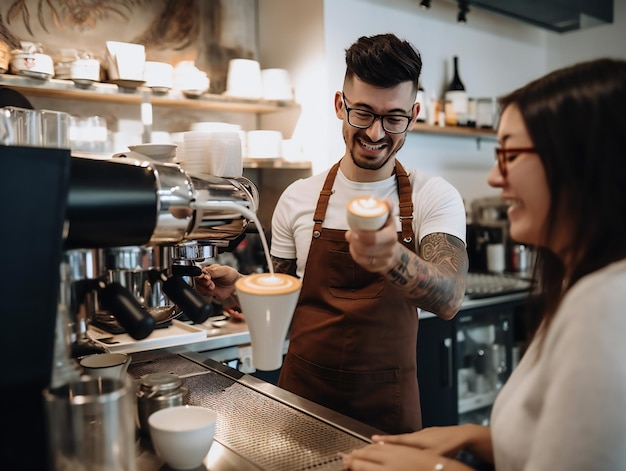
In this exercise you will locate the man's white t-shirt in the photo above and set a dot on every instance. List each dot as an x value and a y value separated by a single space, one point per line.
437 207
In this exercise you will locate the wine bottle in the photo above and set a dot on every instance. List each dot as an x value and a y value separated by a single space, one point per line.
457 96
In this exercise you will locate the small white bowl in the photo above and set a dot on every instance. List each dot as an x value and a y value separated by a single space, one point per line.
367 213
182 435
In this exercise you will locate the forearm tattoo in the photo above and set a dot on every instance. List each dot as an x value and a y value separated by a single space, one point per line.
284 265
434 280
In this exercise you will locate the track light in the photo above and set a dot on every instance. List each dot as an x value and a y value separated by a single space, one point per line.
425 4
463 9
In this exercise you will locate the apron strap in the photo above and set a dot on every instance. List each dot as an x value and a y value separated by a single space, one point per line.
404 195
406 206
322 201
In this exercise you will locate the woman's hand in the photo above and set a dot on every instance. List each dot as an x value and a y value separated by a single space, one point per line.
217 280
423 450
387 456
444 441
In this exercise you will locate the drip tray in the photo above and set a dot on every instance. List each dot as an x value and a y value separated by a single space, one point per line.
266 431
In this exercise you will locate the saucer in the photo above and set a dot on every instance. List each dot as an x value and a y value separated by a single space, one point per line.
160 90
128 84
35 74
159 152
83 83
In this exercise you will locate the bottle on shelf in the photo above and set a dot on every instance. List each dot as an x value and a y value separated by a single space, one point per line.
457 96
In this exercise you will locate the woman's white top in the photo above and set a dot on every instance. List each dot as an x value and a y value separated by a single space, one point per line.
565 408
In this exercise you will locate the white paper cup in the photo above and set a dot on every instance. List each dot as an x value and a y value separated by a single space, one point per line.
268 302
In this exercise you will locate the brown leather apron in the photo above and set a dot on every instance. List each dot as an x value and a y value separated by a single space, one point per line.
353 336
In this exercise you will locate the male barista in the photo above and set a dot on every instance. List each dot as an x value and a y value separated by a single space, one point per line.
353 337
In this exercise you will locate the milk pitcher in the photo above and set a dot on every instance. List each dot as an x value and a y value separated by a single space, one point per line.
109 365
91 426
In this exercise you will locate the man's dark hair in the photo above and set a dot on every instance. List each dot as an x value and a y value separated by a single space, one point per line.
383 60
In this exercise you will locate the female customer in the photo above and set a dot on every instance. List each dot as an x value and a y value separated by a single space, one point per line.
561 165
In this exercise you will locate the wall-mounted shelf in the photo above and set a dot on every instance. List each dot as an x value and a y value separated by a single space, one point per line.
458 131
276 164
111 93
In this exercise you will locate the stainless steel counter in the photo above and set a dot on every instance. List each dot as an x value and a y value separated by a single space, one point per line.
259 427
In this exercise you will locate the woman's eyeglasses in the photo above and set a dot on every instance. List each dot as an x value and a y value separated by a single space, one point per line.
506 155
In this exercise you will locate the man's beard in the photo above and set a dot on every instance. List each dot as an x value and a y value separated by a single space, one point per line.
368 164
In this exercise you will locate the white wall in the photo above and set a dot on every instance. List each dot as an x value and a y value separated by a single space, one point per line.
496 53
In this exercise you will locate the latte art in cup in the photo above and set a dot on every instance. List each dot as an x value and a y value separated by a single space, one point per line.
268 301
268 284
367 213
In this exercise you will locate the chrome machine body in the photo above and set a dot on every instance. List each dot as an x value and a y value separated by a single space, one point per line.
61 214
146 279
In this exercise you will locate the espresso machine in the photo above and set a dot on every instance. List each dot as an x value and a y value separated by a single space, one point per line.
62 214
159 273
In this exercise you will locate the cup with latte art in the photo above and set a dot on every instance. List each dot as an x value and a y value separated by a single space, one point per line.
367 213
268 301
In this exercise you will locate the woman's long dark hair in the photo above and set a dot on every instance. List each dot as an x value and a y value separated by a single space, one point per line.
576 118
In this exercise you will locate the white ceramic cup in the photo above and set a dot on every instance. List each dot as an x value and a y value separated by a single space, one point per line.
182 435
276 84
159 76
85 70
268 302
106 365
366 213
244 79
495 258
264 144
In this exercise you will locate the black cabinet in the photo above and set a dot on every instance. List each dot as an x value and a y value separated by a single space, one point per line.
463 363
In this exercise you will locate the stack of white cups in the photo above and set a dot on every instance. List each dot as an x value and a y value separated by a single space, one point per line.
212 153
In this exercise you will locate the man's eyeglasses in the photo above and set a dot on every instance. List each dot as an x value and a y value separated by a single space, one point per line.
509 154
363 119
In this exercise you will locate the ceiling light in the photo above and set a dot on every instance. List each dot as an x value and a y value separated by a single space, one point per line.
463 9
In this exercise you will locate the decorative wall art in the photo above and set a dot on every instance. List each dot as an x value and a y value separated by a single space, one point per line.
208 32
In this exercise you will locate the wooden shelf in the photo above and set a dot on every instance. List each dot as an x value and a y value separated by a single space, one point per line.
276 164
458 131
111 93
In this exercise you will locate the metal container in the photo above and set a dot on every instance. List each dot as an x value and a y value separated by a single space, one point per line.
158 391
521 258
